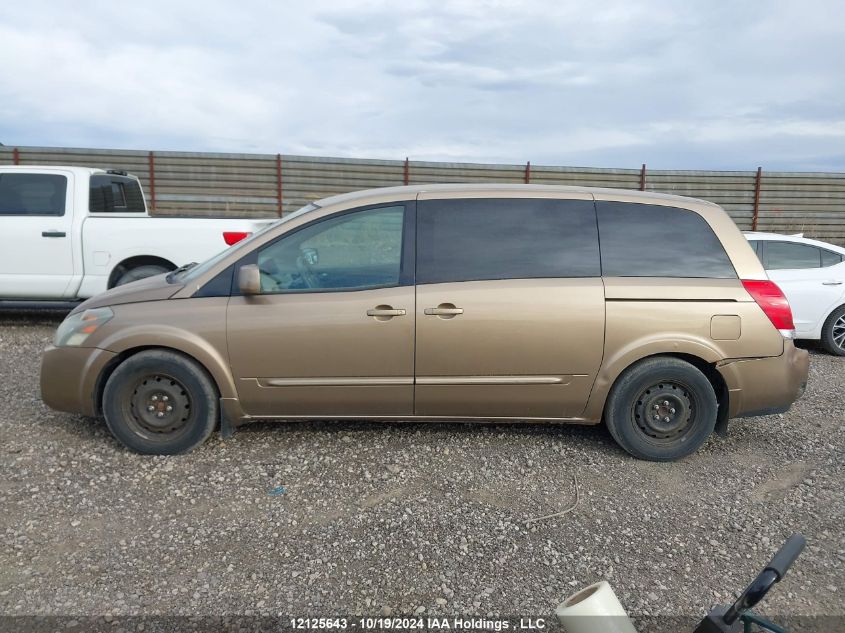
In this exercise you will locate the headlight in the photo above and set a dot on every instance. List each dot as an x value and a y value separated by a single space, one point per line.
77 327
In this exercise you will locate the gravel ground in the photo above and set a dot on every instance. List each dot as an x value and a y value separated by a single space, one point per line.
404 518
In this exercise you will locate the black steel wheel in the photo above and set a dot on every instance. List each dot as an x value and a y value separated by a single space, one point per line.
661 409
160 402
665 411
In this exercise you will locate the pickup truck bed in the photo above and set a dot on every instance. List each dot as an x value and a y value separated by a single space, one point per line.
72 232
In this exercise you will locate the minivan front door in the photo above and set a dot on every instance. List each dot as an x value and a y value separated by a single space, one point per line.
510 307
332 332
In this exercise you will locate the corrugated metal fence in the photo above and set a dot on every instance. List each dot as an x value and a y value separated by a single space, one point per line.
191 183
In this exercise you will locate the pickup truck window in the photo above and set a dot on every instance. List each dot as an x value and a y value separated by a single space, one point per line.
115 194
32 194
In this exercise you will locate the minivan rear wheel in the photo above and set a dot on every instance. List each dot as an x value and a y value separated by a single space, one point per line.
661 409
833 332
159 402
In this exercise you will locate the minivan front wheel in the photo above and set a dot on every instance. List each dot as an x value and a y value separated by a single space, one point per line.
661 409
159 402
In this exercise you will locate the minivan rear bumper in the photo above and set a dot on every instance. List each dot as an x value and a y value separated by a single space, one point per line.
764 386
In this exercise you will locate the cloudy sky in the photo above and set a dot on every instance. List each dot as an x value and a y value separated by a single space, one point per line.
718 85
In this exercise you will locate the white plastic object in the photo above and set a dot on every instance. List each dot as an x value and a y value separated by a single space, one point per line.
594 609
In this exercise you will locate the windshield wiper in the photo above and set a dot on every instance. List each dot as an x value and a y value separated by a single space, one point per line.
181 269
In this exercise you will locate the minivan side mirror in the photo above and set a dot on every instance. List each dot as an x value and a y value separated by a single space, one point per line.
249 280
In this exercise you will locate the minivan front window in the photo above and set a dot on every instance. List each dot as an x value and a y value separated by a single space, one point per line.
186 276
352 251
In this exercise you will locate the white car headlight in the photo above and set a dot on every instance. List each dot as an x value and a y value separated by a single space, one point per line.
77 327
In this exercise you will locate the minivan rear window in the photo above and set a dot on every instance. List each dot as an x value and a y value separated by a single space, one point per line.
514 238
645 240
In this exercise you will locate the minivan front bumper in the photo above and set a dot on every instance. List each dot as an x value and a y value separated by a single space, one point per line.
69 378
764 386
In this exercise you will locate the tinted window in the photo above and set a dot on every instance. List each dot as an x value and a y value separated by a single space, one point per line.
118 194
643 240
830 258
115 194
352 251
755 244
32 194
474 239
784 255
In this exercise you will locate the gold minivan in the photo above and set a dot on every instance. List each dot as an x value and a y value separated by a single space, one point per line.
446 302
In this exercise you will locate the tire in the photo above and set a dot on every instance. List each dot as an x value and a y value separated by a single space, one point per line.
139 272
654 382
157 379
833 332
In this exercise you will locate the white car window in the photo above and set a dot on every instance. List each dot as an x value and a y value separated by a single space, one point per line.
829 258
789 255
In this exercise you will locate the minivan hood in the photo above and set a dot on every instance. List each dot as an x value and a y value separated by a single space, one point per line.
153 288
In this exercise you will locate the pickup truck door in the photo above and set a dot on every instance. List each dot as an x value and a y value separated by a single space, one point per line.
36 222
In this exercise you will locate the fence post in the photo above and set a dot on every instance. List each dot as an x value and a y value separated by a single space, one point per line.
757 183
642 178
152 181
279 184
527 172
16 156
406 174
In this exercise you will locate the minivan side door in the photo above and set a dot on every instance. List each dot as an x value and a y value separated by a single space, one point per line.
332 332
510 306
36 221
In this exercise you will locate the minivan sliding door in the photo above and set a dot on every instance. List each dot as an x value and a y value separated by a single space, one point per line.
510 306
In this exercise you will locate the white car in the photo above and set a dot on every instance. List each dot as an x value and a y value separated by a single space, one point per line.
812 276
70 233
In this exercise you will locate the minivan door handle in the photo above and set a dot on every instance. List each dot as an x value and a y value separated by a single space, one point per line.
831 283
53 234
444 310
384 312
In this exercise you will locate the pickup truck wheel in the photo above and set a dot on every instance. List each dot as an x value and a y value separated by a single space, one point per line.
140 272
661 409
160 403
833 332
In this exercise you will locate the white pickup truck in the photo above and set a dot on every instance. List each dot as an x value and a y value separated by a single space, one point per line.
69 233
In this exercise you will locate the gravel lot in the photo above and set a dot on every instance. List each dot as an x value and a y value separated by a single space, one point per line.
381 518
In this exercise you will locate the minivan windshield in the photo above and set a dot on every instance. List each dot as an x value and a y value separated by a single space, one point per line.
188 275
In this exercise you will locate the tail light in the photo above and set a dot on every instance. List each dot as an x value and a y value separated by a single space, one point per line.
773 302
233 237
